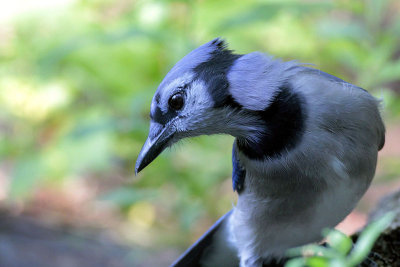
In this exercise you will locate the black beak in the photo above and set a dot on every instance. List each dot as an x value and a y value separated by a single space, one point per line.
157 141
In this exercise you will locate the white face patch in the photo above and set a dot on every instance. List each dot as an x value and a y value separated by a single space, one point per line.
173 87
198 104
197 97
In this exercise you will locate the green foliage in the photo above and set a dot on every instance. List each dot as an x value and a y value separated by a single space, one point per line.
340 250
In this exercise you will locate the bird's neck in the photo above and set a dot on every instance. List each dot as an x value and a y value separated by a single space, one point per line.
282 127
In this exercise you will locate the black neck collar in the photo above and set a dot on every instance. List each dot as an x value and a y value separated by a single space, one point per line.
284 121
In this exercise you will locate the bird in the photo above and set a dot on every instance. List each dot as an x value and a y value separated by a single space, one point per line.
304 153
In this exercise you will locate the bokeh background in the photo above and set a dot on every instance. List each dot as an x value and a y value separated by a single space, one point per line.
76 82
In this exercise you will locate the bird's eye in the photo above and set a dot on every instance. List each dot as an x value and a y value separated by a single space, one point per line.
176 101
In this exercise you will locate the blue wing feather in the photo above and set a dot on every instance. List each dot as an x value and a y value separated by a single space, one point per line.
238 172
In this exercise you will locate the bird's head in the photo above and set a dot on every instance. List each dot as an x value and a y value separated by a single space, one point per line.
205 93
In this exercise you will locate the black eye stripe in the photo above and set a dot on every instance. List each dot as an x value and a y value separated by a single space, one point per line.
157 115
163 118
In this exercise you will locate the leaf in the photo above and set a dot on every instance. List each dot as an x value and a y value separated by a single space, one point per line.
318 262
339 241
311 250
368 237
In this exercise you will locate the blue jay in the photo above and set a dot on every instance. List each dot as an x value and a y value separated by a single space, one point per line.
305 148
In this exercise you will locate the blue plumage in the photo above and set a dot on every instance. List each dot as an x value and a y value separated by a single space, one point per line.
238 172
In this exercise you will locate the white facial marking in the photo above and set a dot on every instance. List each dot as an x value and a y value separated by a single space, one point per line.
172 88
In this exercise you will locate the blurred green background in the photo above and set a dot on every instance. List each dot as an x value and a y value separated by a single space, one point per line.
76 82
